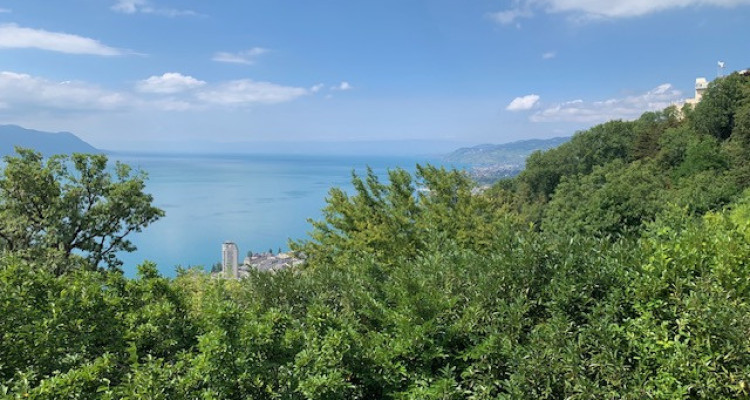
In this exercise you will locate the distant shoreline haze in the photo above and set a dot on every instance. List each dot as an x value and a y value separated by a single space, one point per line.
322 148
49 143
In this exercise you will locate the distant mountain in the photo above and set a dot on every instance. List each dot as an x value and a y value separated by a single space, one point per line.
488 163
47 143
511 154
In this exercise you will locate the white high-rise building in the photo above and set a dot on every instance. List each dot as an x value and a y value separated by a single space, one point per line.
229 256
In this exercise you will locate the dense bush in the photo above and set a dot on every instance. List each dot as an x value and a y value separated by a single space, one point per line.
665 315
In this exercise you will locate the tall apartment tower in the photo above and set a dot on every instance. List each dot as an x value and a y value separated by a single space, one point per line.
229 256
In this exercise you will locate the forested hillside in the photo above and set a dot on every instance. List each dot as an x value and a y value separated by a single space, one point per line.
615 177
615 266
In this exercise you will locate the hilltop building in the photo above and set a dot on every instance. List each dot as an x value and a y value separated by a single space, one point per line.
701 84
229 260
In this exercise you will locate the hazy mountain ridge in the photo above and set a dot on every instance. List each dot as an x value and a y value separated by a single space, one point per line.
513 153
488 163
47 143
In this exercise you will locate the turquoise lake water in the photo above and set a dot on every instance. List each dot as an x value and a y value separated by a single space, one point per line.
256 201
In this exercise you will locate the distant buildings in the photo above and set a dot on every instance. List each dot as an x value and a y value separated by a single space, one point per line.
269 262
230 267
229 257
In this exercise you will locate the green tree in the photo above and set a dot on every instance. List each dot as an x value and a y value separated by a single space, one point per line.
216 267
715 114
648 130
587 149
396 220
701 154
612 199
71 210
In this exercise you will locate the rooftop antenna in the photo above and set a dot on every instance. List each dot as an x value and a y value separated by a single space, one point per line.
720 71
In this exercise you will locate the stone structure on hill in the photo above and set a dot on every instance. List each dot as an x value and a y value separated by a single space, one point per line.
701 84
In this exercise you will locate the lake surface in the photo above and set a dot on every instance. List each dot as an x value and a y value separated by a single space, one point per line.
259 202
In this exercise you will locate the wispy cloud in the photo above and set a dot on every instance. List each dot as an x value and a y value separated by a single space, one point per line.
343 86
629 107
170 82
24 94
19 92
598 9
510 16
523 103
247 57
5 10
549 55
14 36
145 7
247 91
317 88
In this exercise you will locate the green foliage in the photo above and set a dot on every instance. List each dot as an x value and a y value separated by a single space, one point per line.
539 316
68 217
216 267
715 113
702 154
396 220
597 146
632 284
54 324
648 130
673 145
612 200
697 158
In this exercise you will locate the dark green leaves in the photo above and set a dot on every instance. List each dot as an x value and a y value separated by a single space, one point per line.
71 211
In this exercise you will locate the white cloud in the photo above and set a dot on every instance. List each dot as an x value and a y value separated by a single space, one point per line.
246 91
549 55
23 92
247 57
523 103
629 107
631 8
317 88
128 6
14 36
596 9
507 17
343 86
173 104
170 82
5 10
145 7
186 92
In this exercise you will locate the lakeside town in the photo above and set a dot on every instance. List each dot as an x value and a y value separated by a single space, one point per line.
267 261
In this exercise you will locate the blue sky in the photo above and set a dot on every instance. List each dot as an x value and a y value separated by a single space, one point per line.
196 75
